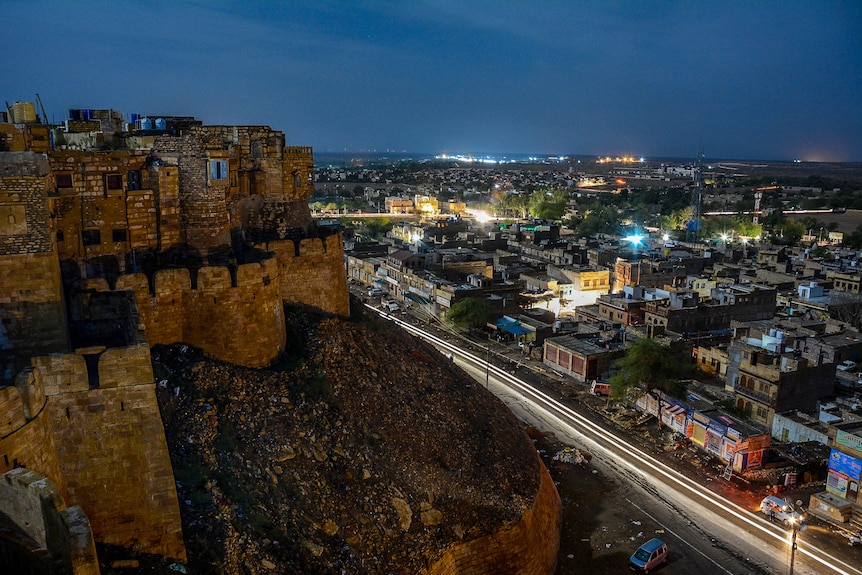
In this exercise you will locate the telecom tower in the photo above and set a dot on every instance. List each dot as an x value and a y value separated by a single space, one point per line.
693 227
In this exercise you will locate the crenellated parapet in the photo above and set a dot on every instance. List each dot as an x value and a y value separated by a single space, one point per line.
25 431
312 272
100 425
234 315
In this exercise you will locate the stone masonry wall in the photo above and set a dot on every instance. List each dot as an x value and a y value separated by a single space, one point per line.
120 219
33 507
32 315
528 547
25 433
316 276
241 323
112 451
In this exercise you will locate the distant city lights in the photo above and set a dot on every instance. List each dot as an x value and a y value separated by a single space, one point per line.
620 160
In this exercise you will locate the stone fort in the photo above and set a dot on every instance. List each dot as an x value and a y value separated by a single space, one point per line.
115 237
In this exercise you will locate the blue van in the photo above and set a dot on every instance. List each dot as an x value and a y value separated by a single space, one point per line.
649 556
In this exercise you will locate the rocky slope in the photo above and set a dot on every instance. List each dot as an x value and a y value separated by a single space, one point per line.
366 451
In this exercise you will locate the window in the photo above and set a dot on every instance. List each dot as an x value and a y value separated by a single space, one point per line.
218 170
118 235
134 180
113 182
64 181
91 237
59 235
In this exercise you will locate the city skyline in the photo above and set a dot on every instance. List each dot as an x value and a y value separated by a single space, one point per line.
769 81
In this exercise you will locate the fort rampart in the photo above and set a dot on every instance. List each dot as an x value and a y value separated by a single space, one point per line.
522 548
238 319
110 446
313 273
26 439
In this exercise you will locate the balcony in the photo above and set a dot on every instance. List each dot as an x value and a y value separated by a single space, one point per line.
767 400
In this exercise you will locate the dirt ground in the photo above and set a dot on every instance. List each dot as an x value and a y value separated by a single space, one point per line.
593 530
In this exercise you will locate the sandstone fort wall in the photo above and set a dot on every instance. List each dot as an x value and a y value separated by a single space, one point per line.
32 309
26 439
59 536
529 547
32 314
316 276
110 445
239 320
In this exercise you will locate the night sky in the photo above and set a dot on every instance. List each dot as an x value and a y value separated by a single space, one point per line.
769 80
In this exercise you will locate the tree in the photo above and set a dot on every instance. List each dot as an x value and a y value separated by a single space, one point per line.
603 220
649 365
468 313
846 307
548 205
518 205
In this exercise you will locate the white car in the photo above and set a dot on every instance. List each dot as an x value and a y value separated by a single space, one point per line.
779 509
375 292
847 365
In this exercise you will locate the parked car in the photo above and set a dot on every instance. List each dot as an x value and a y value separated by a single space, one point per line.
375 292
779 509
847 365
649 556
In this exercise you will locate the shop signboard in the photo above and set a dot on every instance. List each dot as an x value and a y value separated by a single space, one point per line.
845 464
848 440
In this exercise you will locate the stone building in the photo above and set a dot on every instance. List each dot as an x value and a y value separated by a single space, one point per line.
655 273
766 378
683 312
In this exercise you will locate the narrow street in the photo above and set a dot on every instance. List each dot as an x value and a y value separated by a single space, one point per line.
705 531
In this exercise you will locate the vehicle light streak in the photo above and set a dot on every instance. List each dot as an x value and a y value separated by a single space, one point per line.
614 443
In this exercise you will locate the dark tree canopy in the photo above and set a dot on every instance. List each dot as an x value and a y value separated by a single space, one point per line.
469 312
650 365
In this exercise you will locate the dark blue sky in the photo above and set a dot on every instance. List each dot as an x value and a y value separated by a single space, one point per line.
747 80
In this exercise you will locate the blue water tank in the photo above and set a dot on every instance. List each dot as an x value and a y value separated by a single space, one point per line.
161 124
146 124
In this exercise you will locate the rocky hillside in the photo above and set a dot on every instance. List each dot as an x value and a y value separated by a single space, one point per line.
365 451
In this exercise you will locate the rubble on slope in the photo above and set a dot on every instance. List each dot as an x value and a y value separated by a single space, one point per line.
371 455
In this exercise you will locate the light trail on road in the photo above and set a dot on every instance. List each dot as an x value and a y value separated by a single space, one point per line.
648 466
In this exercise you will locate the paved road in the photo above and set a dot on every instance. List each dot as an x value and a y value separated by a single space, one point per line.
707 533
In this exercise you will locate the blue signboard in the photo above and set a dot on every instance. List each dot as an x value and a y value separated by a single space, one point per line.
846 464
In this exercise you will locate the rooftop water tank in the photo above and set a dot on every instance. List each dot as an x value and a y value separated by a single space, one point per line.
23 113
